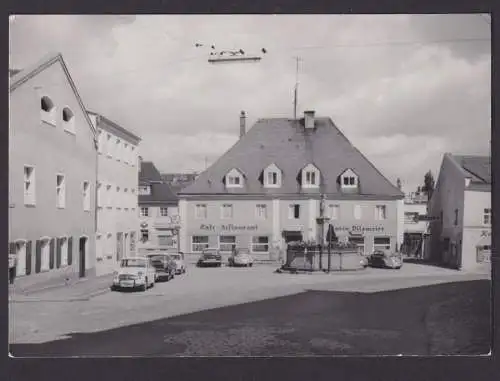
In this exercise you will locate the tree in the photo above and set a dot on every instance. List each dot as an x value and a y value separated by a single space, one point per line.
398 183
428 184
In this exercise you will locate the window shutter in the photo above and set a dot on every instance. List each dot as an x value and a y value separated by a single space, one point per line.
38 256
70 251
28 258
58 253
12 248
52 253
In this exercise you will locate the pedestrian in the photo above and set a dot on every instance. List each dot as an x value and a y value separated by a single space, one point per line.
12 267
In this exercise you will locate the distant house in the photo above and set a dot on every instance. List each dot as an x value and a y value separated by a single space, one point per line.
117 199
178 181
265 191
461 205
159 213
52 175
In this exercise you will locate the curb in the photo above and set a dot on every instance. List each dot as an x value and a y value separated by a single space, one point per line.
78 298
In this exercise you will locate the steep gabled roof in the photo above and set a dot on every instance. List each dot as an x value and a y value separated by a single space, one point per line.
286 143
116 126
477 168
160 191
26 74
148 172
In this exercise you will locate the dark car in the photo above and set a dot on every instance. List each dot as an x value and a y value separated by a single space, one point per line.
210 257
240 257
385 259
165 266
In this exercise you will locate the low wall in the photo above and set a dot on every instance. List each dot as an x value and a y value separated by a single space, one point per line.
312 260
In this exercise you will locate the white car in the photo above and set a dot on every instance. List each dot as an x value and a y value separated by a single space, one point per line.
134 273
179 261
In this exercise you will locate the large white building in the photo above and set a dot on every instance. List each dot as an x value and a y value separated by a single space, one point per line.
461 205
117 198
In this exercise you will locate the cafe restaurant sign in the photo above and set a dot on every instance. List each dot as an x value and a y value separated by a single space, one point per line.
228 227
359 229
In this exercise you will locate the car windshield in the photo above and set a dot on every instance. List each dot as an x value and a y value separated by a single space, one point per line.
210 252
133 262
243 252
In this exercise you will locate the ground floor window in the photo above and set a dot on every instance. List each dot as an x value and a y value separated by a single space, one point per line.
62 250
144 235
45 255
359 242
227 243
198 243
382 243
260 244
165 240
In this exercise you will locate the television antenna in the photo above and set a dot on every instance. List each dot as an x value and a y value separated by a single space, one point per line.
233 55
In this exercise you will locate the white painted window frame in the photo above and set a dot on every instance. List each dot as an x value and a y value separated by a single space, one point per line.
29 196
61 191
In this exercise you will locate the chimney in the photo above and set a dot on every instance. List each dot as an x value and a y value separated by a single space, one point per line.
242 124
309 119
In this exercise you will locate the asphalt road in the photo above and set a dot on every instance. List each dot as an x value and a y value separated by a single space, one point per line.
450 318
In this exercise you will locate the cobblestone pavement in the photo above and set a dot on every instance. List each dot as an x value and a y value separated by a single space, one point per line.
200 289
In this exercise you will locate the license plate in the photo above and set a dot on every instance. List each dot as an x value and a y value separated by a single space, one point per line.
126 283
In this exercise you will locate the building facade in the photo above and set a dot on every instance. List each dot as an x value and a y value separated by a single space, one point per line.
461 208
159 220
117 198
52 175
178 181
266 190
415 224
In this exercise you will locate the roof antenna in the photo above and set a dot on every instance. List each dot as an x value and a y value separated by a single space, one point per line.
296 90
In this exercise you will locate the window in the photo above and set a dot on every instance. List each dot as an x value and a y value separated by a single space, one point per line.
357 212
144 190
233 180
456 217
163 212
109 147
201 211
125 153
61 191
47 111
272 178
487 216
29 186
260 244
68 120
411 217
261 211
349 180
144 235
63 249
310 176
45 255
198 243
227 211
227 243
144 212
359 242
294 211
86 196
382 243
117 199
108 197
118 153
380 212
165 240
334 212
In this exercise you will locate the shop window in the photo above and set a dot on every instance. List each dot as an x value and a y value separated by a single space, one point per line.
61 191
260 244
380 212
165 240
45 255
261 211
198 243
382 243
487 216
227 243
163 212
359 242
227 211
201 211
294 211
47 111
29 185
144 212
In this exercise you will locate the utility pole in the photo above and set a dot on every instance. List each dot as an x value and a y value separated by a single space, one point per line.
296 90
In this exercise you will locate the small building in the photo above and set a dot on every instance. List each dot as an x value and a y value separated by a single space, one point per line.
460 234
415 224
52 175
265 191
117 199
159 220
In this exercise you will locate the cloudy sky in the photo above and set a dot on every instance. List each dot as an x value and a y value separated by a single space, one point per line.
403 88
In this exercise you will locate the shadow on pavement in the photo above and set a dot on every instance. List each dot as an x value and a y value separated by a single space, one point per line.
412 321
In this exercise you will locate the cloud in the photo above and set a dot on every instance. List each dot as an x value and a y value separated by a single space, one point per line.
396 92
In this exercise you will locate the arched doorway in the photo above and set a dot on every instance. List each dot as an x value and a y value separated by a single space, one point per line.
82 250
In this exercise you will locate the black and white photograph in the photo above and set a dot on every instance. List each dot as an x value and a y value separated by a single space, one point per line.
249 185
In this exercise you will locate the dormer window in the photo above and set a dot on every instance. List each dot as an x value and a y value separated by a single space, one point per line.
349 180
310 177
234 179
272 176
47 111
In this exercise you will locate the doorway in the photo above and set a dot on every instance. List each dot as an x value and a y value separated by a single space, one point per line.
291 236
82 250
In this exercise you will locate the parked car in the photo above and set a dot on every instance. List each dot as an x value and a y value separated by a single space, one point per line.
240 257
178 258
364 260
134 273
385 259
164 264
210 257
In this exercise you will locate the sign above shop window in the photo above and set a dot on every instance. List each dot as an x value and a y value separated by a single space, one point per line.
228 227
359 229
